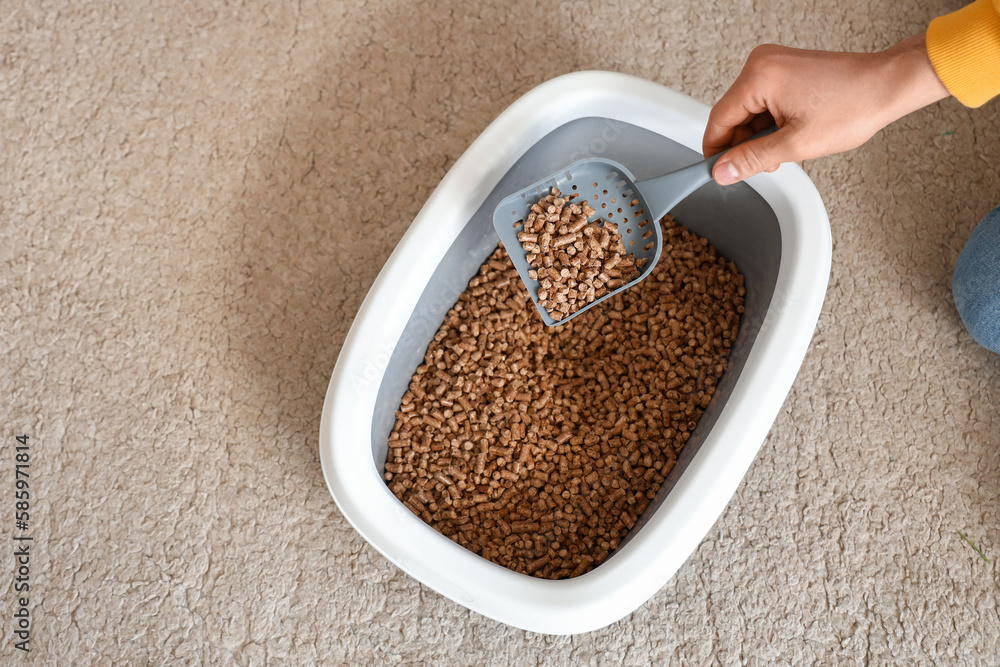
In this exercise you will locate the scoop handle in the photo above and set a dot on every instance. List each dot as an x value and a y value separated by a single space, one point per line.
662 193
715 158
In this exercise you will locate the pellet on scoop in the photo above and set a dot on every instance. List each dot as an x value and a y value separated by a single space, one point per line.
580 260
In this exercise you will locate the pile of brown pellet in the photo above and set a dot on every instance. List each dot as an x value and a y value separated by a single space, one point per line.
539 447
574 261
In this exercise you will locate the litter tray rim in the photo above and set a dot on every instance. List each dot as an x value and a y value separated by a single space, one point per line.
701 494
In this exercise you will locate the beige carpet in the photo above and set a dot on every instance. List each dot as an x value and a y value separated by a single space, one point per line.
185 188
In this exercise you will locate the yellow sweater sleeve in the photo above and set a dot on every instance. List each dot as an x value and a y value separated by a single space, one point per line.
964 48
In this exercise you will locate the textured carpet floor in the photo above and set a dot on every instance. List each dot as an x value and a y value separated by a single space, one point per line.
181 258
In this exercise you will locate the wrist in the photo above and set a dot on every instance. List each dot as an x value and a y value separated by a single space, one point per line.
914 83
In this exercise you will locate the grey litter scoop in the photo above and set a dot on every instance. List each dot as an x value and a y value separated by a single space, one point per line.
611 189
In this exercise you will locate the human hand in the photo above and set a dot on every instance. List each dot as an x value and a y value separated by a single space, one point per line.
823 102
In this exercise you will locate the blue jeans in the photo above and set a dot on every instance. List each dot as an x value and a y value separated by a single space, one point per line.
976 282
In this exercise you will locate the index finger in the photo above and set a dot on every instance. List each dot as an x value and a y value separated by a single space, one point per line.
737 108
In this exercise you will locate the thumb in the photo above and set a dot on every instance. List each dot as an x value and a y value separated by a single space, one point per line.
752 157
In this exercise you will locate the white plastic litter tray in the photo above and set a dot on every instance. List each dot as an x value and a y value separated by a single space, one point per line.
774 227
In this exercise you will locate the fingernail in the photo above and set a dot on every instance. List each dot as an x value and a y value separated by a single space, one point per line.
726 174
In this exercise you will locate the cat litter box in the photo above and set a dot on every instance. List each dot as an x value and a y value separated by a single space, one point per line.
774 226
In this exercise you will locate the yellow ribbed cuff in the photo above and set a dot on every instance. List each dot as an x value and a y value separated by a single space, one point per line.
964 48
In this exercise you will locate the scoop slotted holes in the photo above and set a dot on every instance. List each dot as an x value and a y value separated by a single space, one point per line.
603 183
608 188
